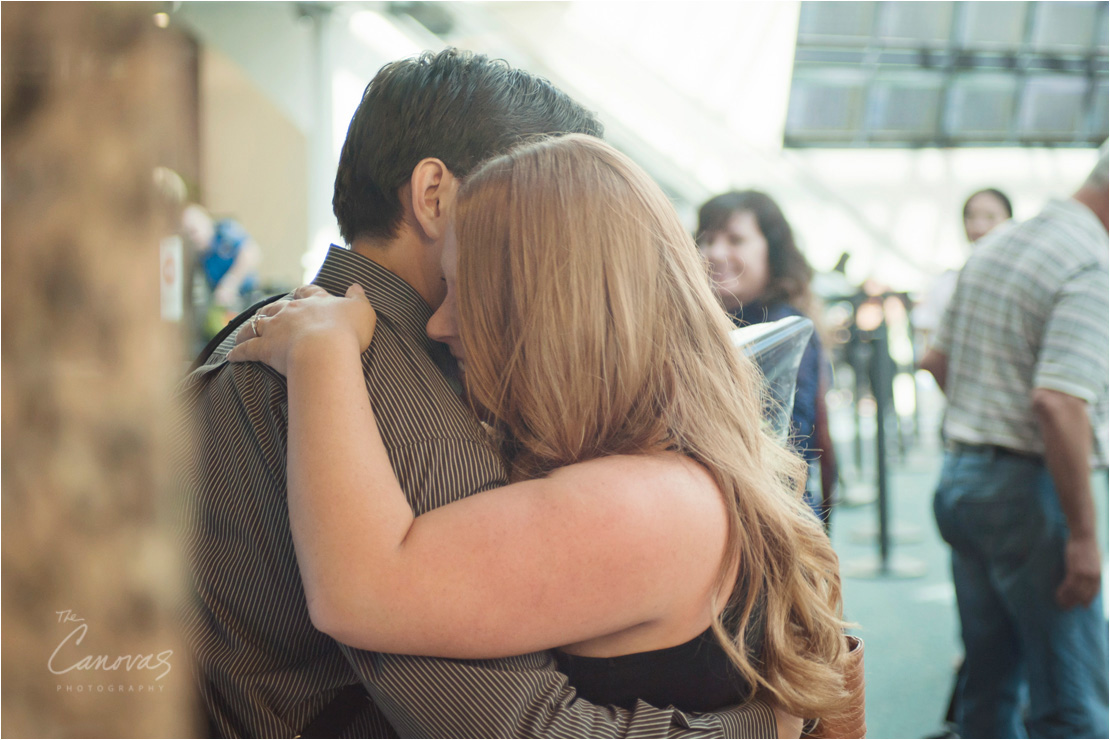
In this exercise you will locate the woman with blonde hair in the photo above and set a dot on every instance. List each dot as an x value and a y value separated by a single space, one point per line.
653 529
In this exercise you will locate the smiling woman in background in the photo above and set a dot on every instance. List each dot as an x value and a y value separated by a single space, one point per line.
759 275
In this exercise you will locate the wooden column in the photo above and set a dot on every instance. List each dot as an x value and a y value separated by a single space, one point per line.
95 96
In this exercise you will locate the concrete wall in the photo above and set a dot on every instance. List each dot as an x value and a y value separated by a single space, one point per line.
270 41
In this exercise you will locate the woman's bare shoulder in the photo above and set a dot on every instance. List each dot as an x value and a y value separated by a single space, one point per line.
665 482
669 467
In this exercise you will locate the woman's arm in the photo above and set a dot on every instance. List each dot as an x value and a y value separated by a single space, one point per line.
593 549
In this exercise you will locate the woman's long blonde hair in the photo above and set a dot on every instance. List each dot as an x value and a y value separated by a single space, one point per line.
591 330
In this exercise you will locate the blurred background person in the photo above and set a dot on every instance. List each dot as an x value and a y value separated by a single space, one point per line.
760 275
984 210
228 258
1022 358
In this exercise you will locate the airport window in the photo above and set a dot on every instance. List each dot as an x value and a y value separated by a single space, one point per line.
949 74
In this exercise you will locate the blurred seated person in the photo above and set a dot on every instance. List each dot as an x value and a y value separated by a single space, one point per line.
760 275
984 210
227 256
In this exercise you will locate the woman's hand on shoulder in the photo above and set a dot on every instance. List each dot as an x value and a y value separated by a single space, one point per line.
312 322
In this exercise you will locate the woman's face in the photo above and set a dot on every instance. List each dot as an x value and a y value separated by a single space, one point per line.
444 324
737 256
984 211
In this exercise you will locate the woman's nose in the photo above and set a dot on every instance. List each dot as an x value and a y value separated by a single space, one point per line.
436 326
715 250
443 325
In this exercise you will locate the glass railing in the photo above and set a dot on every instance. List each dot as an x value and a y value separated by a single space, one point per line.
777 348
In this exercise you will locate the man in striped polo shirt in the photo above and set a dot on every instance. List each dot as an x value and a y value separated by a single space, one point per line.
1022 356
264 670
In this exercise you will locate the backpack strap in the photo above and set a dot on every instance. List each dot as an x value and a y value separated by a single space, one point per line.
231 327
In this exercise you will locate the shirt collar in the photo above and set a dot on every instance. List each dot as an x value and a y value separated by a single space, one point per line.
390 296
1079 212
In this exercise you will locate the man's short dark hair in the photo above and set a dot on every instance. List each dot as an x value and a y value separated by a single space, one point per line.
455 105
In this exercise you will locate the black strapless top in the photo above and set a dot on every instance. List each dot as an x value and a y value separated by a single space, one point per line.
695 676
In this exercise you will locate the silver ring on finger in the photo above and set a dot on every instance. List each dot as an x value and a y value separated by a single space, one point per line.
254 325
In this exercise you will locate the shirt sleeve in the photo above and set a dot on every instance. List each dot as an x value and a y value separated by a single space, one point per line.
944 329
1074 346
929 311
525 696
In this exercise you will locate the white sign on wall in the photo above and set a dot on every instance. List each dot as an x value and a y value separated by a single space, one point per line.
172 278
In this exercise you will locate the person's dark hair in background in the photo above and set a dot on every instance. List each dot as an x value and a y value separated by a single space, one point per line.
411 110
983 210
997 194
790 272
760 275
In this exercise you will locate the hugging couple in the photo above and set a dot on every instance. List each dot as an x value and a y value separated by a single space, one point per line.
597 538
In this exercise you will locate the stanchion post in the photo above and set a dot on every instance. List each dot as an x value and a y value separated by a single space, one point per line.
856 349
886 565
879 388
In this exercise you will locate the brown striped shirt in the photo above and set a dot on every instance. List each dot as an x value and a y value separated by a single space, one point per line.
264 669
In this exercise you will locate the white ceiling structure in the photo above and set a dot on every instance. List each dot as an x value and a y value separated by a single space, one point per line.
696 92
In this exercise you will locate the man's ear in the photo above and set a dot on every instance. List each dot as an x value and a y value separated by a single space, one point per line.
433 190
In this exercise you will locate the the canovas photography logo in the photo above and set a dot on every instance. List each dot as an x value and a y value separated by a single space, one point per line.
80 670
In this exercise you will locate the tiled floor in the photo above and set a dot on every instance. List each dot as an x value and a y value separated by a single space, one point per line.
909 625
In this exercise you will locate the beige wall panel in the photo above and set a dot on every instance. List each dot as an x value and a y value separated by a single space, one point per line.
253 166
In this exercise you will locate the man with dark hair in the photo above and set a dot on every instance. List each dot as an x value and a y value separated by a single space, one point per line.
461 107
265 671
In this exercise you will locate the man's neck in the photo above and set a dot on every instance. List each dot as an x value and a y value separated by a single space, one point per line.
1096 200
397 255
375 251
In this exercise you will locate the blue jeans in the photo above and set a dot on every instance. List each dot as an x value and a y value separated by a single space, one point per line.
1000 514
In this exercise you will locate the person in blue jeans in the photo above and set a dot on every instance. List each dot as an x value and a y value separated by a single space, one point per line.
1000 514
760 275
1022 355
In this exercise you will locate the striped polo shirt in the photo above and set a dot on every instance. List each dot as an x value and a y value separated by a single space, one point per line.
1030 311
264 670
